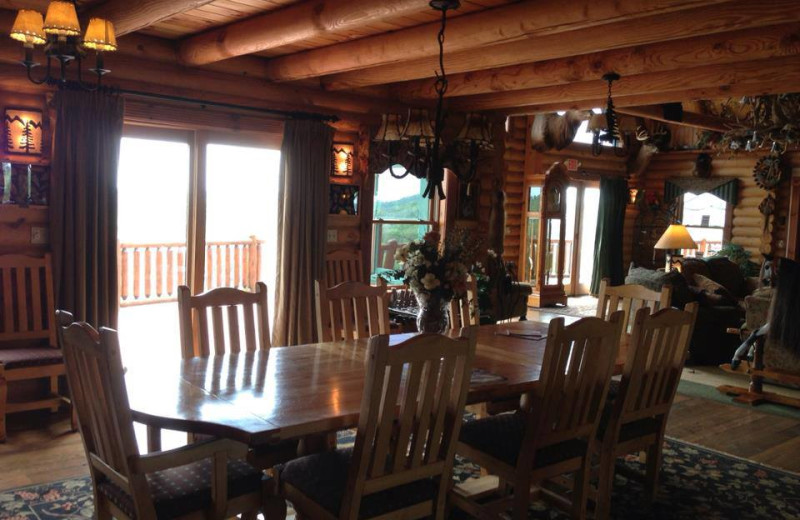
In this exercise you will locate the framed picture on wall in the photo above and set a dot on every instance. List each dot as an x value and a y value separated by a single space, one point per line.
343 199
468 197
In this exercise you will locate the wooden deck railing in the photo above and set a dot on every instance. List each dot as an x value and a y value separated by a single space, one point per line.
151 273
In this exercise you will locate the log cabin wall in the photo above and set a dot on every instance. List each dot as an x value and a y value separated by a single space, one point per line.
747 222
524 165
21 226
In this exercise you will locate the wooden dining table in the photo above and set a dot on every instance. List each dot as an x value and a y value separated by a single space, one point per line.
288 392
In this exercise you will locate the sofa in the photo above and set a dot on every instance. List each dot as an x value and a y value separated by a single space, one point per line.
720 288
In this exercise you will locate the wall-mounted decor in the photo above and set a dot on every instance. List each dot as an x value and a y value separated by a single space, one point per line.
343 199
468 197
342 160
22 129
702 166
770 170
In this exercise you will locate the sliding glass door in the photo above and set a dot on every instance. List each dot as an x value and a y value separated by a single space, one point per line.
196 209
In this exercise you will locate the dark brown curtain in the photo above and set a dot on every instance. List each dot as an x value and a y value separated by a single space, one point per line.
302 223
83 207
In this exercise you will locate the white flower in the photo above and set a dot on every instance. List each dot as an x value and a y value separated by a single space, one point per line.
430 282
491 253
402 253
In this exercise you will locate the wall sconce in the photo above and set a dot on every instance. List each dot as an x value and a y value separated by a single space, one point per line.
342 160
633 195
23 131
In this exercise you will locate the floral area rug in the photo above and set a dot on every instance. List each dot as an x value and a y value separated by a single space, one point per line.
696 483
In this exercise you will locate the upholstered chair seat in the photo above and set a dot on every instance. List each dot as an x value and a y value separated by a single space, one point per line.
322 477
186 489
501 437
12 358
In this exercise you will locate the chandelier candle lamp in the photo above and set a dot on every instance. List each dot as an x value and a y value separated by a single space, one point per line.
60 33
676 237
415 146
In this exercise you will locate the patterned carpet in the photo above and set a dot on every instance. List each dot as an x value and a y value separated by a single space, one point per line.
697 483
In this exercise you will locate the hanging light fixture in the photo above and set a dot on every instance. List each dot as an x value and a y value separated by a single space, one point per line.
605 127
416 147
60 33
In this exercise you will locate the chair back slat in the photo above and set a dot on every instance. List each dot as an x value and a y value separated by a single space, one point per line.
629 299
464 311
351 310
343 266
26 299
410 416
96 379
232 312
577 366
659 346
386 254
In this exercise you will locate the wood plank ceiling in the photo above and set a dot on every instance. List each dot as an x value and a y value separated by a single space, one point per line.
503 55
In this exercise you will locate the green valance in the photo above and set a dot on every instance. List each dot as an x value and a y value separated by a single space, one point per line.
725 189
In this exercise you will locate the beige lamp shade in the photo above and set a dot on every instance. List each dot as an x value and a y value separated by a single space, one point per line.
476 128
676 237
28 28
100 36
418 124
390 129
62 19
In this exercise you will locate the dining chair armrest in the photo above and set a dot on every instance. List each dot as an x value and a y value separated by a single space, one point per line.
162 460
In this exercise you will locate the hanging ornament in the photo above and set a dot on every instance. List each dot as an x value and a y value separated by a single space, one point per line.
769 171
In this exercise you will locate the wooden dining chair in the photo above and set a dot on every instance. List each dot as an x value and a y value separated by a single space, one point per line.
464 312
204 480
352 310
401 463
638 406
28 346
629 299
553 432
343 266
229 302
386 254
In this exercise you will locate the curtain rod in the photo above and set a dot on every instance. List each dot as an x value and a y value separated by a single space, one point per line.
292 114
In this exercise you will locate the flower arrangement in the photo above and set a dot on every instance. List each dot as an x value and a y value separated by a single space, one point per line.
435 269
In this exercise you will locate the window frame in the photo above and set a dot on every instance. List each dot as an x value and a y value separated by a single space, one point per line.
727 227
376 224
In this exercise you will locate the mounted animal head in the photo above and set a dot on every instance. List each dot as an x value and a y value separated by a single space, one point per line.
768 277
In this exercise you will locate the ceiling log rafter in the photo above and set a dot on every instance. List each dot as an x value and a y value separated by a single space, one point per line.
133 15
717 49
289 25
650 30
513 22
667 81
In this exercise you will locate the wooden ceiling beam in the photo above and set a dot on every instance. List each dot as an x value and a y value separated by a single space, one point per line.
755 88
690 119
471 31
775 69
715 49
134 15
294 23
661 28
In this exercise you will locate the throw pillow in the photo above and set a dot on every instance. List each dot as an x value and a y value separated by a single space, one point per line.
713 288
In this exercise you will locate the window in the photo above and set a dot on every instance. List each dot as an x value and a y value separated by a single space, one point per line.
400 214
705 216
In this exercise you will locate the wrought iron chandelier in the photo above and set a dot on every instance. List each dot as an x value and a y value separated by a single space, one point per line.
416 144
60 33
608 131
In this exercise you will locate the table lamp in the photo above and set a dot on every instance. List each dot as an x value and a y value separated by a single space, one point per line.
675 237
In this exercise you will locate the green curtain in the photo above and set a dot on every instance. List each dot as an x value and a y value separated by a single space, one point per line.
608 237
83 204
303 205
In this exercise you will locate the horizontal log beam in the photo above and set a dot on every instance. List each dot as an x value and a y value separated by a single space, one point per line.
690 119
715 49
754 88
470 31
776 69
134 15
695 22
289 25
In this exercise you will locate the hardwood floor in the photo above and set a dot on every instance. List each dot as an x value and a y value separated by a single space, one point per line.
41 449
